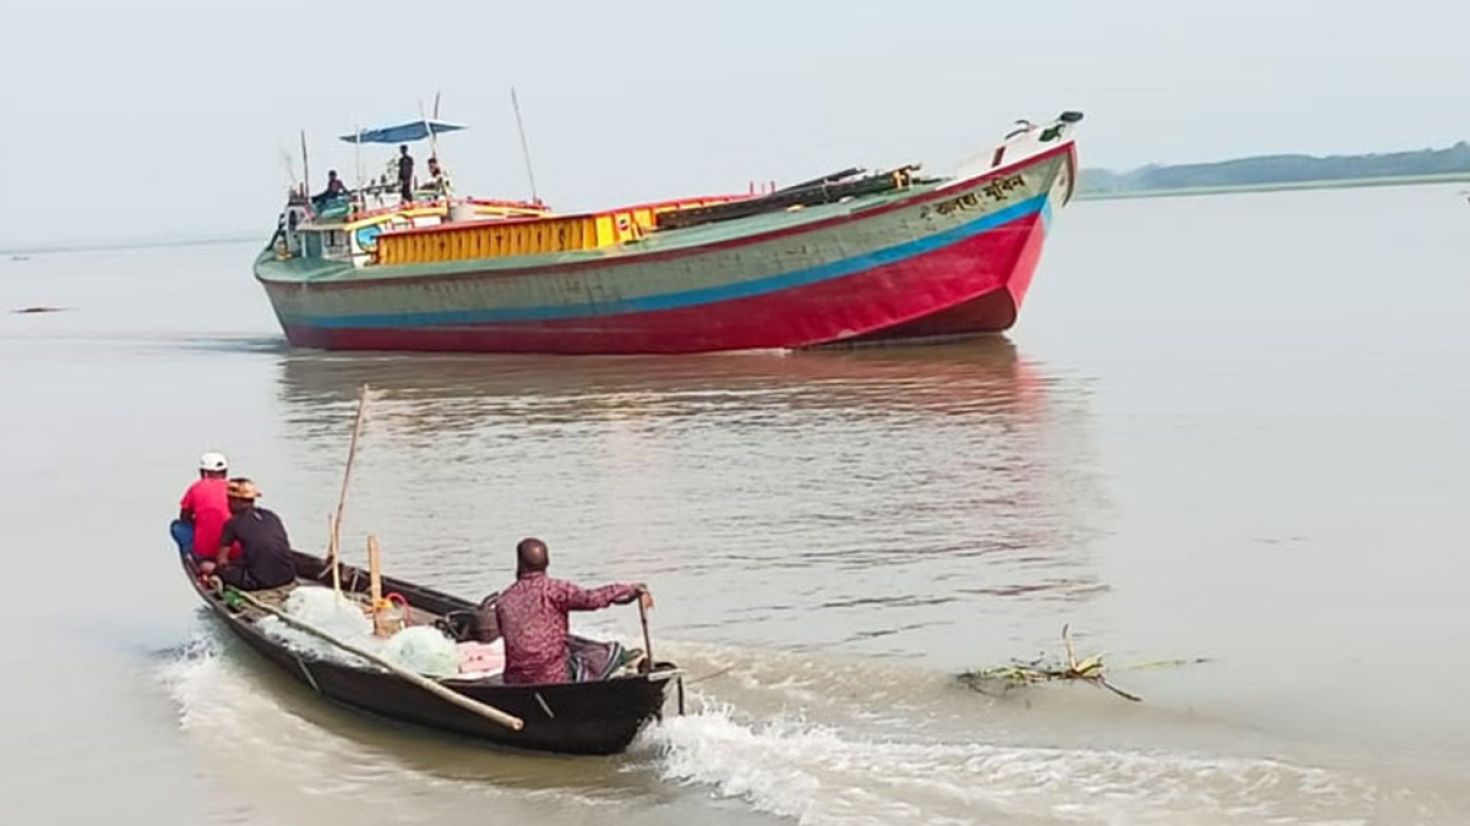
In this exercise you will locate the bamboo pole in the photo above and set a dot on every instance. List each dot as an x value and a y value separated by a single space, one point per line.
332 556
375 572
375 587
470 704
334 545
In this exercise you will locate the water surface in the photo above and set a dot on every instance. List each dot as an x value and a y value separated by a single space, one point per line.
1226 427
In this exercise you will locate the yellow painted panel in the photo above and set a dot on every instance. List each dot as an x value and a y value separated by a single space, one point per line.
546 235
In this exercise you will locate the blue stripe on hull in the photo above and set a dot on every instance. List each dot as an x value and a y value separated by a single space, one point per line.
689 298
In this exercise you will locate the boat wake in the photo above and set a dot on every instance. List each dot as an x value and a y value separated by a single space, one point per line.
221 704
278 742
818 775
771 739
823 740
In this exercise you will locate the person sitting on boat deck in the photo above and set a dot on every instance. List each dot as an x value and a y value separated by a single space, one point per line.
438 180
532 615
266 559
405 173
204 509
335 189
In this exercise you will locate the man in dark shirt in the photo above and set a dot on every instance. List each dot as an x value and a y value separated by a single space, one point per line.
335 189
405 173
266 560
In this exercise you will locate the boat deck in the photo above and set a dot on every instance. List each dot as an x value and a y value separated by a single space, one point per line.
302 269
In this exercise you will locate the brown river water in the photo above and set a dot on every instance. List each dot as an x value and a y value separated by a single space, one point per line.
1229 427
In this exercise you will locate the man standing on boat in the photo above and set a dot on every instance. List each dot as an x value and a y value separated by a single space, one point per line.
405 173
205 509
266 559
532 615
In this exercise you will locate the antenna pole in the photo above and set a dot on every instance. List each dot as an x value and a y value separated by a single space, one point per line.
305 170
434 136
357 160
525 147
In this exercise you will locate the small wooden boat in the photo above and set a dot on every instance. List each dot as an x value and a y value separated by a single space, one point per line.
574 718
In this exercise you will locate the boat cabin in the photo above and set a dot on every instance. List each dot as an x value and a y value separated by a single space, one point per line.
351 234
372 224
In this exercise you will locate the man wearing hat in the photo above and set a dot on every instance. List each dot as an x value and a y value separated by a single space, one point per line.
266 558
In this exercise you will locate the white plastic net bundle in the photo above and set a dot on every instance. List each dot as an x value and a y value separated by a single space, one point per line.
422 649
323 608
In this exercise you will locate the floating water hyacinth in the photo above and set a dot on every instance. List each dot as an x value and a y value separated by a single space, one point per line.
1000 680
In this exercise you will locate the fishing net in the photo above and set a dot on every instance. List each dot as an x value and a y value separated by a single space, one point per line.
324 609
421 648
424 649
337 615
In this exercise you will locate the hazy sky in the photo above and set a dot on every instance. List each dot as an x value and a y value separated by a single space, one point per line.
123 118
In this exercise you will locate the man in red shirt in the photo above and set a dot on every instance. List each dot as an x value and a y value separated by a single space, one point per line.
532 615
206 505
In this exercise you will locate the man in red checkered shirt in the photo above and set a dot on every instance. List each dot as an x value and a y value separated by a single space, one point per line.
532 615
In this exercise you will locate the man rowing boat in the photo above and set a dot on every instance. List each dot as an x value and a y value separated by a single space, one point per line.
532 615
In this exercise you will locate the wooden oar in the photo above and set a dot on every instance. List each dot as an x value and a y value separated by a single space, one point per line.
647 640
489 712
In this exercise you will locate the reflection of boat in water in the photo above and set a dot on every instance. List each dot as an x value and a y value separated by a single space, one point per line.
957 451
452 391
846 257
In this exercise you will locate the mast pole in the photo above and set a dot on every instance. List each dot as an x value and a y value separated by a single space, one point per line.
305 169
525 147
357 159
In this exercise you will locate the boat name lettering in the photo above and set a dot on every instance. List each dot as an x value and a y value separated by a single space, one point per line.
997 190
1000 188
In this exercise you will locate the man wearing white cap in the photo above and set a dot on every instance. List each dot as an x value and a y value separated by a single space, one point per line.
206 505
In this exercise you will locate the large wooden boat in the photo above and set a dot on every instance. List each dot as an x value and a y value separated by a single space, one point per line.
849 258
575 718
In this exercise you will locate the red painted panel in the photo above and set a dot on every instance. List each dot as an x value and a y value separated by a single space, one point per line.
990 313
830 311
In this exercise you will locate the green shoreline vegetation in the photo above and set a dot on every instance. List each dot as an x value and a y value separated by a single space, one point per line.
1280 172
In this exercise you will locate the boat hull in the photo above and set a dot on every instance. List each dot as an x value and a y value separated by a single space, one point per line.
947 261
571 718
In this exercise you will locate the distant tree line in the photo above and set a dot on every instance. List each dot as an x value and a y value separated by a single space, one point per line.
1280 169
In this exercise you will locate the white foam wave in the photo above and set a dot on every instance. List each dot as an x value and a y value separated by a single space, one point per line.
268 741
816 775
220 702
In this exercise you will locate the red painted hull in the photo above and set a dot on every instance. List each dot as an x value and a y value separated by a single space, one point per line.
986 265
938 262
993 312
